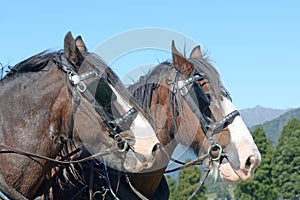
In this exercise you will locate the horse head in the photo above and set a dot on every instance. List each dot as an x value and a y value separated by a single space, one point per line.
208 109
105 106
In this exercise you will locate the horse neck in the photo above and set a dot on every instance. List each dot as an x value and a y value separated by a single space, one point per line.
160 115
26 103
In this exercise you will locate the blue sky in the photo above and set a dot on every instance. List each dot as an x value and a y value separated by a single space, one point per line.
255 45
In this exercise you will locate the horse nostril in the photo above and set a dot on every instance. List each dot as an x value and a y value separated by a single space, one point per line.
156 148
250 161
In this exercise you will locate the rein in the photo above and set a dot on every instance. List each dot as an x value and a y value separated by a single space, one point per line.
33 155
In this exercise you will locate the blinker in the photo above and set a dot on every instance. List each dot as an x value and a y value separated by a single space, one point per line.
199 96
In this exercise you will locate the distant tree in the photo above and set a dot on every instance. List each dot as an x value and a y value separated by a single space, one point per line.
286 169
220 189
222 192
172 183
187 181
261 186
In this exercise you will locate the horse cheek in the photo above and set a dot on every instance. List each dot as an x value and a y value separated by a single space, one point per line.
60 118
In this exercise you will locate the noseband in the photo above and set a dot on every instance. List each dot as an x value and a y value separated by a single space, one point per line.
199 105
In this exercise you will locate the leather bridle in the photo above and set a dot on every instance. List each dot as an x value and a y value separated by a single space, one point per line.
199 103
79 88
209 125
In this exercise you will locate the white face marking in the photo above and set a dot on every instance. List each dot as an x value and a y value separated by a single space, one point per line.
141 127
144 134
238 129
244 147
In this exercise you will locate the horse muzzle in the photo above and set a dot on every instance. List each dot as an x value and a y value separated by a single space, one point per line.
231 172
142 158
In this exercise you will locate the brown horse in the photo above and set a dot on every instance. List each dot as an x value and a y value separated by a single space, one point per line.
187 103
50 101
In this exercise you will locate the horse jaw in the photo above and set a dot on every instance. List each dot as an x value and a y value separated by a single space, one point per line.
243 156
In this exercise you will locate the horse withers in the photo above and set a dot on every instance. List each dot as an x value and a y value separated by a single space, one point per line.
49 100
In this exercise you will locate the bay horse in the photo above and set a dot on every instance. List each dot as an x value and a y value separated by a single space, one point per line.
187 103
50 102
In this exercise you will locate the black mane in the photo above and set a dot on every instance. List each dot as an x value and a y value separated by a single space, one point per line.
142 90
35 63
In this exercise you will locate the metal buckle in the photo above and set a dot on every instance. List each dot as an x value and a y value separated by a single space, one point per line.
120 142
81 86
181 85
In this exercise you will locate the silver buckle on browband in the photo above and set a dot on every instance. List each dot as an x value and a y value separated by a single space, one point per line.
181 86
77 80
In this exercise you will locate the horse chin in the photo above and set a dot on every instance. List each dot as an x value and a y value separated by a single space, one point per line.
227 173
231 174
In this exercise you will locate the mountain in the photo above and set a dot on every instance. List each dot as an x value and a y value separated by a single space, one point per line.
259 115
274 127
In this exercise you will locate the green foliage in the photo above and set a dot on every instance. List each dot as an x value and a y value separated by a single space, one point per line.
172 184
286 171
222 192
219 189
187 181
261 186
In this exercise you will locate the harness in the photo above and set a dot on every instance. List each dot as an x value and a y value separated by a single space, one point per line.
199 102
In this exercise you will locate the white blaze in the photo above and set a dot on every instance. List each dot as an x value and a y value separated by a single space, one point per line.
143 132
242 139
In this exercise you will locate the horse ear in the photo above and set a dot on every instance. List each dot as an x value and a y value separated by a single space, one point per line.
196 52
80 45
180 63
71 51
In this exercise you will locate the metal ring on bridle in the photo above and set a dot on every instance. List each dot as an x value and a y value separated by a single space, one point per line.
219 153
125 147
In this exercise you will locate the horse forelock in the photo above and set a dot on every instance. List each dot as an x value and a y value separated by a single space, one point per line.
203 65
